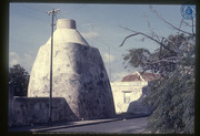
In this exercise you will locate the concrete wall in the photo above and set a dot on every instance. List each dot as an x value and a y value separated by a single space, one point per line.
27 111
136 90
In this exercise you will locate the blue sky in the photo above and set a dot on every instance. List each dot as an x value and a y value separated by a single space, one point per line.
29 28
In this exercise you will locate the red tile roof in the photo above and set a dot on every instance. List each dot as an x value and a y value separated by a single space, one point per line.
140 76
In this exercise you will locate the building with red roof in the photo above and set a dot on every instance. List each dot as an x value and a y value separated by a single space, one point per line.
129 92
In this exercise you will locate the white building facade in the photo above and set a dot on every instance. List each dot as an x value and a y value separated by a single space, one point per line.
126 92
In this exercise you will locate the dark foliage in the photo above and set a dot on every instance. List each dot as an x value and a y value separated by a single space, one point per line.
171 97
19 78
162 60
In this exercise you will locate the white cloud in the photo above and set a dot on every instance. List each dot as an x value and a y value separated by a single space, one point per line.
90 34
14 58
106 58
25 60
14 62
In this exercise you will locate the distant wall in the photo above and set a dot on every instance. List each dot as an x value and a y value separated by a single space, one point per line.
35 110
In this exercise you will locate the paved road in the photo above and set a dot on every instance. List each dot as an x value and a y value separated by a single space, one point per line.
136 125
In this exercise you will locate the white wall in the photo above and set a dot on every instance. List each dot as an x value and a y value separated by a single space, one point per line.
120 88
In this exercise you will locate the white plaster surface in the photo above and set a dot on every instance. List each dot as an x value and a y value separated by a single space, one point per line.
79 74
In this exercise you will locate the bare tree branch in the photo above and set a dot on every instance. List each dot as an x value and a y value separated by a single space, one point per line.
177 39
169 40
140 33
149 26
187 24
193 26
163 60
127 38
159 16
160 50
180 25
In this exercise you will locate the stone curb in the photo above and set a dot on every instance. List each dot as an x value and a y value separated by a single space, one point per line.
74 125
43 128
36 129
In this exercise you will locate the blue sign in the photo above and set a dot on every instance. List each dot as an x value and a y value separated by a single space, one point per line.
188 11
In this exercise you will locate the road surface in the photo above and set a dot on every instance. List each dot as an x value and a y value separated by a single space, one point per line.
136 125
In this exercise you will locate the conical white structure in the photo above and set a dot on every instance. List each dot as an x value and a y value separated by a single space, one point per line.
66 33
79 74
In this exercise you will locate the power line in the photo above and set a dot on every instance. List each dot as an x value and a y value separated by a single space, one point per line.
37 10
81 6
61 16
100 40
45 6
75 10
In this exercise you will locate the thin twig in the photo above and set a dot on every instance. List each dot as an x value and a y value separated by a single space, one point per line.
160 49
177 39
127 38
192 26
159 16
164 60
151 30
187 24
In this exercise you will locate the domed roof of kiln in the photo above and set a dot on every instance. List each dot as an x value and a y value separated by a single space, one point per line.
66 32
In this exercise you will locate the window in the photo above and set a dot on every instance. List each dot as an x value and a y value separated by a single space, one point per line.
127 97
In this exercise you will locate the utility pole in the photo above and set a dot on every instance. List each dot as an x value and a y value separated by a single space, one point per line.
109 65
53 12
10 100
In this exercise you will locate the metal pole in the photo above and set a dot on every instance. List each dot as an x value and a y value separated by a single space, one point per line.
109 65
10 101
51 64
